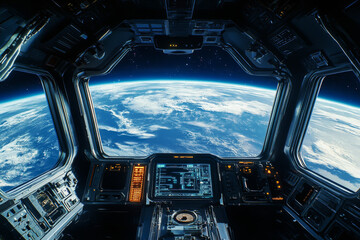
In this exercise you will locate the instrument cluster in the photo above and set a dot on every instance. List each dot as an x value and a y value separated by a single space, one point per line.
42 214
247 182
171 177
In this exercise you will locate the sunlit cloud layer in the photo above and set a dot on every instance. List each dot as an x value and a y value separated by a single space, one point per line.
223 119
182 116
28 142
332 141
142 118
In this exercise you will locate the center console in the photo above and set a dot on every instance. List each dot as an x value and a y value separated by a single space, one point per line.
185 200
173 178
181 196
183 222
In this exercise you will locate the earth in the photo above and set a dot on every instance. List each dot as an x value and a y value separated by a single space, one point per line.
141 118
28 141
145 117
331 146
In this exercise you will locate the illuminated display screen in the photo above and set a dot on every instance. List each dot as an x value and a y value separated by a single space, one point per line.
137 184
183 180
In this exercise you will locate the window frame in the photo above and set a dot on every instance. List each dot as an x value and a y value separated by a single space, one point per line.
308 94
64 132
81 82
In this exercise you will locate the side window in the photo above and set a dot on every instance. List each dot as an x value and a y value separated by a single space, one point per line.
28 141
331 146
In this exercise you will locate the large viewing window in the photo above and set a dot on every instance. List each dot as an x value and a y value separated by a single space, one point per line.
331 146
199 103
28 141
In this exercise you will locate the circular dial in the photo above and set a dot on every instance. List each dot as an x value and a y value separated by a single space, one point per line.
185 217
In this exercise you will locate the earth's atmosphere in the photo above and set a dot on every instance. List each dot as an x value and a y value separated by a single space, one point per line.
145 117
141 118
28 142
331 146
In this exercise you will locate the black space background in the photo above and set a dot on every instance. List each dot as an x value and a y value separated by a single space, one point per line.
208 64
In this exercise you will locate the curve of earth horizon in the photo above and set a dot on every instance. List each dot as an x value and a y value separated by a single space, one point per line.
144 117
182 116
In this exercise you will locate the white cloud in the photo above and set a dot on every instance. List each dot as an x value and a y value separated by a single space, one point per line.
108 128
24 103
128 150
234 145
204 125
142 108
238 107
333 156
23 117
333 138
161 97
125 125
350 185
18 152
345 117
246 145
17 157
153 104
24 153
348 129
157 127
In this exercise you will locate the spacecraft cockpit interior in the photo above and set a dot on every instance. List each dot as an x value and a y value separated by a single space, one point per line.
90 151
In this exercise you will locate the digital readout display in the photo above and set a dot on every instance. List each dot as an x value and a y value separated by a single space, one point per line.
183 180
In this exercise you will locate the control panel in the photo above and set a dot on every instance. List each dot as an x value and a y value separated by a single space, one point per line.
172 177
44 213
324 211
116 183
247 182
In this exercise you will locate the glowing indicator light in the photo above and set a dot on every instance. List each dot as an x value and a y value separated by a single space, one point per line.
173 45
183 156
115 167
137 184
277 198
247 163
228 166
247 170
